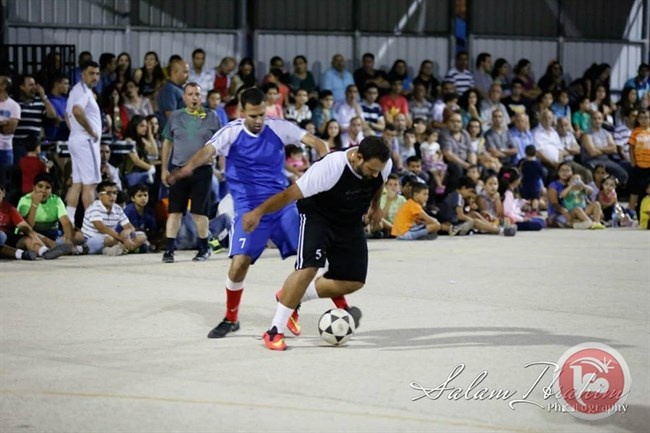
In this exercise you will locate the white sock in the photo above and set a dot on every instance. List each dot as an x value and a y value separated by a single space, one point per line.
231 285
281 317
310 293
19 255
42 250
71 211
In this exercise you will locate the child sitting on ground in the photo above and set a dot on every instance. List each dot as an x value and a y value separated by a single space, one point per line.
644 214
411 221
508 185
613 213
391 201
489 200
140 215
574 200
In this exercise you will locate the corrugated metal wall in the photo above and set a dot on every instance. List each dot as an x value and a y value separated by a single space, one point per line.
539 52
412 49
69 12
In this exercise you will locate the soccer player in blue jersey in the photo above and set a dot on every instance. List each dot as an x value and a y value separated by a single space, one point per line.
255 159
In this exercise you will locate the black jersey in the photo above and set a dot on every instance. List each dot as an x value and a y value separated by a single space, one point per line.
333 190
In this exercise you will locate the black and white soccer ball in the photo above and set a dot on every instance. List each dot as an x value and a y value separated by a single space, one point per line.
336 326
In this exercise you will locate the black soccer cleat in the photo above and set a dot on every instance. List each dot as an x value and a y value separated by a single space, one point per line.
223 329
202 255
355 312
168 257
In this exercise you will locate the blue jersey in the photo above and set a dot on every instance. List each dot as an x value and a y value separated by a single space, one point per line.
255 163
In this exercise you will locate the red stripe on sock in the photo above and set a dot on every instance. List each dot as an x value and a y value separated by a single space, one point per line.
340 302
233 298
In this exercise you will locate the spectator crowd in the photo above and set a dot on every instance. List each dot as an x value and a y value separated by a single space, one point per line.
484 149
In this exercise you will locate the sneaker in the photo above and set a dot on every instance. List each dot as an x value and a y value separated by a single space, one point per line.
115 250
84 250
28 255
293 324
430 237
461 229
58 251
355 312
582 225
216 246
274 340
223 329
168 257
202 255
510 230
597 226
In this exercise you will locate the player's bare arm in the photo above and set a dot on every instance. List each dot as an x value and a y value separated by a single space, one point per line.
274 203
316 143
80 115
202 157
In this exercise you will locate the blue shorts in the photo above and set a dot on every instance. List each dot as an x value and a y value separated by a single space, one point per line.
281 227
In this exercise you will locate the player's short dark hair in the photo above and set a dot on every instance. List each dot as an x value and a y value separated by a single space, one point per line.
101 186
417 187
374 147
466 182
251 96
138 187
44 177
530 150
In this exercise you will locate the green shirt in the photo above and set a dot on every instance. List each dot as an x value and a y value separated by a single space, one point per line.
583 120
47 214
394 206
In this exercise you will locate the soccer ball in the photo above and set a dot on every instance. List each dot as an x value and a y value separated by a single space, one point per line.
336 326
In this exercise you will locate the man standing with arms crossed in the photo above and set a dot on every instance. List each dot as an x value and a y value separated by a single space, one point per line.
254 151
85 124
185 133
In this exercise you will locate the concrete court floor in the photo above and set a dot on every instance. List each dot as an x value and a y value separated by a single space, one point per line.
117 344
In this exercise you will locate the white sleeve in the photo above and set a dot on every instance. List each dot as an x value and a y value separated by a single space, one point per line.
288 132
223 138
14 111
323 175
77 97
386 171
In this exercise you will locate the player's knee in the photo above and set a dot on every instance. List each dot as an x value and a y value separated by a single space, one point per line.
353 286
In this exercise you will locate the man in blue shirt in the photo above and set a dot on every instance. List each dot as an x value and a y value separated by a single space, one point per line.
255 159
641 82
521 136
170 97
336 79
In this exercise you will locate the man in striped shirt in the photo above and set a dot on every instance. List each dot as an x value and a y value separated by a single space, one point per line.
34 107
101 221
460 75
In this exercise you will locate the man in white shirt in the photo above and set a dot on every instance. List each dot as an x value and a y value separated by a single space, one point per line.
353 136
550 149
349 108
85 124
201 75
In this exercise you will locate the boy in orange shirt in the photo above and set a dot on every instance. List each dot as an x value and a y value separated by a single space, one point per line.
411 221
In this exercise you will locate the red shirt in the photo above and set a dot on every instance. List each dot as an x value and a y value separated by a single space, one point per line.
9 217
30 166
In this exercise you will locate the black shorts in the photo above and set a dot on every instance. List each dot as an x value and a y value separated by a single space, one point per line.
345 248
639 178
196 188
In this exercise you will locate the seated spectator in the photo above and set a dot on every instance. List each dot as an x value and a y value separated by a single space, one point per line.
150 78
11 223
544 102
299 110
390 202
553 79
272 108
491 103
101 220
498 141
411 221
140 215
644 212
523 70
550 149
489 200
394 103
275 77
501 75
107 66
561 107
113 105
598 145
348 108
451 213
368 74
336 79
413 166
516 102
512 211
170 97
520 135
302 78
201 74
135 104
31 164
46 214
457 149
469 104
641 82
109 172
123 69
419 106
57 129
296 162
572 148
581 119
613 213
138 168
222 80
214 104
433 161
482 75
324 112
332 135
427 77
474 173
447 93
574 200
373 115
640 158
460 75
354 134
399 71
